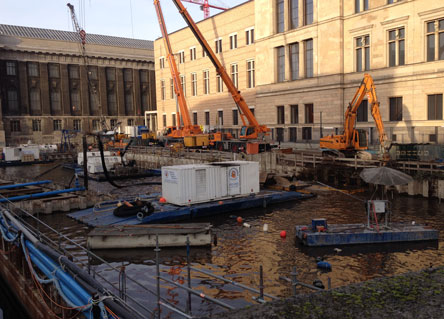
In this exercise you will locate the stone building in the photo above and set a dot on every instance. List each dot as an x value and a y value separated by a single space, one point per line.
298 63
47 85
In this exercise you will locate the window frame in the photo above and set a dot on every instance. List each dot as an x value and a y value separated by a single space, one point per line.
194 84
206 81
233 41
251 81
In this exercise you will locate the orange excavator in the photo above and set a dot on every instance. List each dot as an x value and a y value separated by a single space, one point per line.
251 131
352 139
188 129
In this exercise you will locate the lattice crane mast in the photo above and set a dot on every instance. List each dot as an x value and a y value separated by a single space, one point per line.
205 6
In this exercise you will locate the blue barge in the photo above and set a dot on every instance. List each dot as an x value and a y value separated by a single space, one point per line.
102 214
349 234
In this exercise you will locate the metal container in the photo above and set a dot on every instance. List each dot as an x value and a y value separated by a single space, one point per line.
197 183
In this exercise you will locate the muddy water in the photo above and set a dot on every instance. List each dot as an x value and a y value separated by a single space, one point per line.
240 251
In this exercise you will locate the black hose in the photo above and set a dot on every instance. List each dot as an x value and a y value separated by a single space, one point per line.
90 284
102 157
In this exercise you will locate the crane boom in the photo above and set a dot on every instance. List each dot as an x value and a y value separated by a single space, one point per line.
349 140
254 129
205 6
188 128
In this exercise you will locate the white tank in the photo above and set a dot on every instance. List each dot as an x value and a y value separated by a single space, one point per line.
197 183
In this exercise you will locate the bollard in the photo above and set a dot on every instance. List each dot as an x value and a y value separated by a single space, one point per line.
189 276
329 283
261 283
122 283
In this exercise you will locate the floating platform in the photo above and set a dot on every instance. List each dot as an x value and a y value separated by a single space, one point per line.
20 163
143 236
102 214
100 177
350 234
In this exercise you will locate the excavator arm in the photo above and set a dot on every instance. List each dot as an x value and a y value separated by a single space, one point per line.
253 130
188 128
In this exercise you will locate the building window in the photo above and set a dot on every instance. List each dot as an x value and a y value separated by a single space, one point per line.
11 68
96 125
250 74
193 53
173 119
144 76
127 74
162 89
396 47
15 126
362 53
393 1
181 57
204 53
308 113
36 125
434 107
13 105
435 40
92 74
234 75
294 14
306 133
308 12
34 99
233 41
162 62
252 110
130 122
183 84
193 84
206 79
294 60
293 134
280 16
33 69
294 114
280 114
361 4
55 101
235 118
249 36
280 134
220 84
77 125
112 103
110 74
129 105
395 109
207 118
172 94
113 124
73 71
54 70
57 125
220 117
280 53
218 44
308 58
164 120
362 112
75 101
195 118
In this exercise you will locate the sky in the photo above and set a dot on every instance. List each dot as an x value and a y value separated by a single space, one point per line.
123 18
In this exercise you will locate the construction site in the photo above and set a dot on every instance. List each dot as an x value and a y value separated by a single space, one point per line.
257 159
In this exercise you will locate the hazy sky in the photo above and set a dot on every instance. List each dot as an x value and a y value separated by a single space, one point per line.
125 18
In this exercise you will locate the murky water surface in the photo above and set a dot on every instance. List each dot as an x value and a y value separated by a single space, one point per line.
240 251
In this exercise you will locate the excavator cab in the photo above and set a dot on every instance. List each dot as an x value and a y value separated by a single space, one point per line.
360 139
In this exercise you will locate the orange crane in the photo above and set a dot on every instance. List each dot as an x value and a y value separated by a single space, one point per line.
352 139
187 129
205 6
251 131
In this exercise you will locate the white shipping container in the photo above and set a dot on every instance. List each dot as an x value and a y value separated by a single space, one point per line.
12 153
196 183
91 154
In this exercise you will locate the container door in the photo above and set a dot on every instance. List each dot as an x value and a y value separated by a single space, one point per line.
201 184
233 180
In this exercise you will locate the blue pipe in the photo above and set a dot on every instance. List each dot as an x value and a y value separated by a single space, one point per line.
31 196
25 184
64 278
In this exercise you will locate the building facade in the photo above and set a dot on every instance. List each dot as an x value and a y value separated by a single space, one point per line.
47 85
308 59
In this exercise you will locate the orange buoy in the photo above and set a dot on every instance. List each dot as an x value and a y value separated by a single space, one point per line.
162 200
283 234
220 202
239 219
